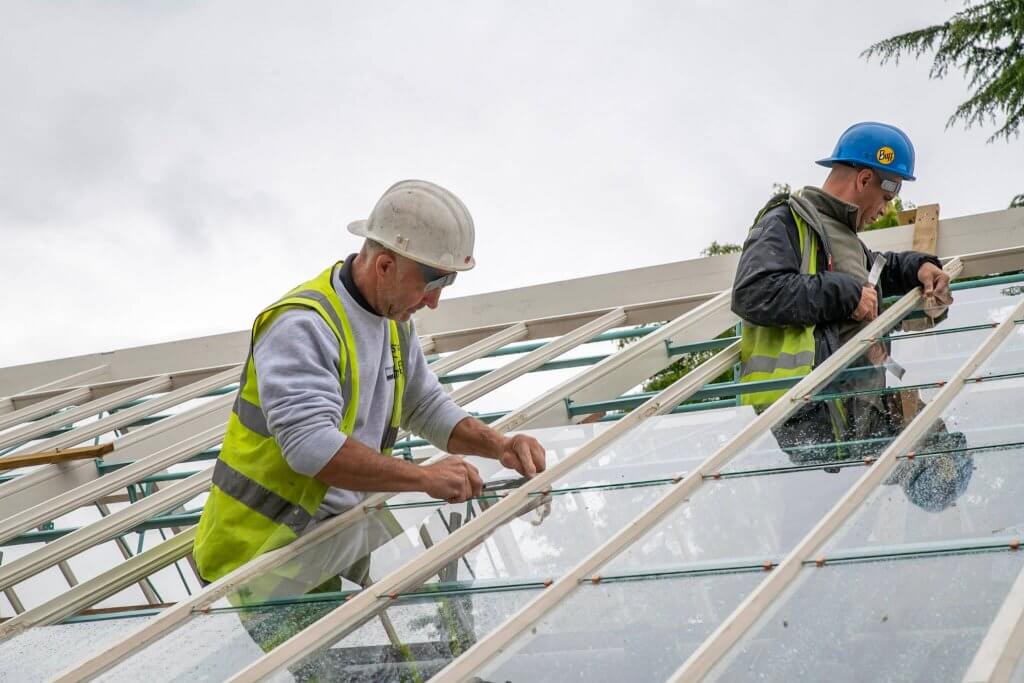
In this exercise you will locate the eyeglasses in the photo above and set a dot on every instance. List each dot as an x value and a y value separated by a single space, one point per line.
889 185
435 279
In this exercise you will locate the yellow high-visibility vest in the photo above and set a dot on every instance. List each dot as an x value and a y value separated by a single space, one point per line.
779 352
258 502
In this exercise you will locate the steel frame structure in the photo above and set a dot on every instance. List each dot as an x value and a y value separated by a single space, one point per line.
43 397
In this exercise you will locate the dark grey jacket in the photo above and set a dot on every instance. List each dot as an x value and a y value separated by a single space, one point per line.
770 291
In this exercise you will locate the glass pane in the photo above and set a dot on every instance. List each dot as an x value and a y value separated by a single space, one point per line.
956 493
549 536
622 630
412 639
864 407
833 428
975 306
911 619
929 358
750 519
552 534
40 653
1009 357
661 447
946 497
1018 672
560 442
207 647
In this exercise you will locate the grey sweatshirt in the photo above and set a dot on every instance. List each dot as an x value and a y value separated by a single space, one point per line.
297 372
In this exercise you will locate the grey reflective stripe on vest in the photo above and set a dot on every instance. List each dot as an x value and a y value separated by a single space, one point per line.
323 301
251 416
259 499
785 361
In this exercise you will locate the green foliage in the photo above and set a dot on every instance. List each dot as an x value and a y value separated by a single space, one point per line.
890 218
687 363
1017 202
716 249
985 41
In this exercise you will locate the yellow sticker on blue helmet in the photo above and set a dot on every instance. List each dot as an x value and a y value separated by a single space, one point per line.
885 155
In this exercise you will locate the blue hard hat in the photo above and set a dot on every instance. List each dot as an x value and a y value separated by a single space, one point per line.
876 145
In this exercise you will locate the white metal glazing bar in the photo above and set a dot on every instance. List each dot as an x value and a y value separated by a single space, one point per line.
486 649
96 489
100 587
617 373
748 611
154 405
538 357
357 609
105 529
38 428
42 408
468 354
10 403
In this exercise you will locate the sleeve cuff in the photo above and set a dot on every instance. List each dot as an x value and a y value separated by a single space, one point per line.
442 423
310 453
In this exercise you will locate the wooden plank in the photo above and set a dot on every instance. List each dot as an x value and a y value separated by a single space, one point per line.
926 229
906 217
10 462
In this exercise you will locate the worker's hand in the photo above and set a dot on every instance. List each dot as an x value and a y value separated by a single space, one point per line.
934 289
452 479
867 309
876 354
522 453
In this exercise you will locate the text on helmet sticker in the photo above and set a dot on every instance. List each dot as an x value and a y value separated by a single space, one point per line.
885 155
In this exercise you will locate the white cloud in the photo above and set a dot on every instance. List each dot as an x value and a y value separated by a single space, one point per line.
169 168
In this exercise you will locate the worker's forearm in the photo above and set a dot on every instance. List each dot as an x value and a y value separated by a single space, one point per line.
472 437
357 467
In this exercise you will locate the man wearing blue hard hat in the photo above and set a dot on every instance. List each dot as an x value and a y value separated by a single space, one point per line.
803 288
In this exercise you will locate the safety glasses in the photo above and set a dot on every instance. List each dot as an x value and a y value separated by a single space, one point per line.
435 279
889 184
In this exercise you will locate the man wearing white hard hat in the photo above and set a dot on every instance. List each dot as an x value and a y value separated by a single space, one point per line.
334 370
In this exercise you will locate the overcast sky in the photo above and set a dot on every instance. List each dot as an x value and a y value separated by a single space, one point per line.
168 168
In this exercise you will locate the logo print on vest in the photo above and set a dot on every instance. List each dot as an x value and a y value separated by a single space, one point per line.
885 155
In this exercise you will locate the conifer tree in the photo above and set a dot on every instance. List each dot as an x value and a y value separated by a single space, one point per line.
985 41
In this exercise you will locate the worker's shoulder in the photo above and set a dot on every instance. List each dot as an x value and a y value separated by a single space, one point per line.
775 215
295 326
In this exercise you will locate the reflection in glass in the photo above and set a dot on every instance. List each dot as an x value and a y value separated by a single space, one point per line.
910 619
42 652
623 630
745 518
987 508
661 447
969 491
1008 357
412 639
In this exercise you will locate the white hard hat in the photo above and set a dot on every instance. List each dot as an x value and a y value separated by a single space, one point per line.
424 222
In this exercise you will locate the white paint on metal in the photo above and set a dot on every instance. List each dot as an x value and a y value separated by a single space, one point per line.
1000 651
105 529
610 373
747 613
96 489
357 609
491 647
100 587
40 427
43 408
